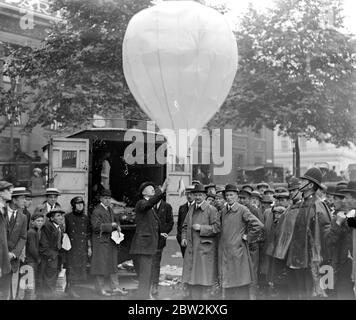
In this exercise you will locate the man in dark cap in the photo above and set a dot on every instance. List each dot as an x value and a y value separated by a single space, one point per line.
33 258
145 241
78 229
182 213
262 187
49 248
247 187
308 248
199 235
211 188
105 259
5 267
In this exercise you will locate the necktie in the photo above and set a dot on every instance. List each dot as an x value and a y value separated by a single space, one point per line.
12 219
59 244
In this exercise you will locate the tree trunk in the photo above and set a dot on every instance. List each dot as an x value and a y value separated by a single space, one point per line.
297 157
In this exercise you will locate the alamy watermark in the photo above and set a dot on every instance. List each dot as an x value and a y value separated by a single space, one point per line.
177 147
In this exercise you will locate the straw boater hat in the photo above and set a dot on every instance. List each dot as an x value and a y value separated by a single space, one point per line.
37 170
52 191
262 184
17 192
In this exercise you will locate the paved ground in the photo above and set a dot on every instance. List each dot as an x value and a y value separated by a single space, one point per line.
128 280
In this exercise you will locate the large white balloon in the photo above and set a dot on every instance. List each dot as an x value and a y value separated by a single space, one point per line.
179 59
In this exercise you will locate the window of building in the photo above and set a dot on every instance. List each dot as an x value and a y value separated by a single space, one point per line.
284 145
258 160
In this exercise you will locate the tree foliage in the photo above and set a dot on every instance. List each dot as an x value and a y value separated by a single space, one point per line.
294 73
77 72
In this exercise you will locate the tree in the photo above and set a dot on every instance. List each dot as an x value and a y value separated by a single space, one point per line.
77 72
295 74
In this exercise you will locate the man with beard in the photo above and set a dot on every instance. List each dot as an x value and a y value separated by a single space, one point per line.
235 266
78 230
182 212
308 248
199 236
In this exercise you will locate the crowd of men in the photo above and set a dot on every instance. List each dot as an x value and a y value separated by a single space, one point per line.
288 243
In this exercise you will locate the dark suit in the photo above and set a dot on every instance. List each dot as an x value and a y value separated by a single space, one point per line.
182 212
165 215
50 244
33 253
145 241
16 241
4 257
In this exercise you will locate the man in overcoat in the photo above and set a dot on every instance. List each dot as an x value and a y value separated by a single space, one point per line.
308 247
238 227
5 266
145 241
78 229
105 251
182 212
165 215
199 236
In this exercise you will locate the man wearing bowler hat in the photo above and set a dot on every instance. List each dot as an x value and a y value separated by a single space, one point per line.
182 212
104 260
199 236
145 241
308 248
5 267
238 227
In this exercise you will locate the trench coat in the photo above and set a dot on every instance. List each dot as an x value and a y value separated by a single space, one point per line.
235 264
200 259
105 251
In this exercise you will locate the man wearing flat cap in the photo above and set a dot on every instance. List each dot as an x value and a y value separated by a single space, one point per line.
308 248
105 252
49 248
145 241
199 235
182 213
5 267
